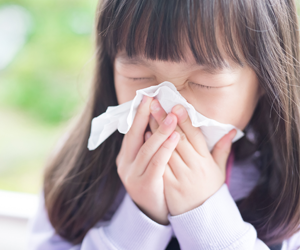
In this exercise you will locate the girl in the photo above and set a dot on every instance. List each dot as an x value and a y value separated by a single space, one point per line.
158 187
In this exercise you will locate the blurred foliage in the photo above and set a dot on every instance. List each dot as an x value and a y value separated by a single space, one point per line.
60 42
43 87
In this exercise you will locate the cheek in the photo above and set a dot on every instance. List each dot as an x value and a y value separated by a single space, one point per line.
125 87
234 105
125 91
238 107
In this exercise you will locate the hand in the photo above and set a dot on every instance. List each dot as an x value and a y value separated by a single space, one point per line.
141 166
193 174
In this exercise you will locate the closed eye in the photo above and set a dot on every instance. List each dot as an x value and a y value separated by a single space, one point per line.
197 85
192 83
140 78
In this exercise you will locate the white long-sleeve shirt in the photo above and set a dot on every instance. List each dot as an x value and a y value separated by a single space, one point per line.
216 224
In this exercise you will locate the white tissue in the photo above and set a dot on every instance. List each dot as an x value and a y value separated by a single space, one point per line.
121 117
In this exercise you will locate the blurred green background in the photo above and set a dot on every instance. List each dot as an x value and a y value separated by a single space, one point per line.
43 83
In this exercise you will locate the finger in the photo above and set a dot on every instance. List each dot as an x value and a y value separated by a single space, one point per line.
222 149
134 138
157 111
169 176
153 124
157 165
184 147
153 144
177 165
193 134
147 135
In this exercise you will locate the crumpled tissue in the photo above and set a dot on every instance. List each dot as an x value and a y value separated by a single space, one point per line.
121 117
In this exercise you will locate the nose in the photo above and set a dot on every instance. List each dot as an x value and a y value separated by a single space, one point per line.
179 83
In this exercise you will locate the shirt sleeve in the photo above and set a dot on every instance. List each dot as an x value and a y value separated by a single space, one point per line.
129 228
293 243
216 224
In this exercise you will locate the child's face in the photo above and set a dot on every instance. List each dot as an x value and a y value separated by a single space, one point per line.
229 95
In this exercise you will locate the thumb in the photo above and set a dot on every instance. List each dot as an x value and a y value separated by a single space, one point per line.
222 149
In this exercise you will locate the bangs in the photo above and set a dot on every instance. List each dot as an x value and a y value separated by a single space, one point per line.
164 30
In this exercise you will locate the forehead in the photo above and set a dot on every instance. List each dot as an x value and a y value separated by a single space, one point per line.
187 64
162 30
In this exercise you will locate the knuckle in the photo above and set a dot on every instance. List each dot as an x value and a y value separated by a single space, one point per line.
166 146
119 159
146 184
178 188
127 180
217 146
145 150
184 119
142 110
162 132
182 136
119 169
155 162
119 172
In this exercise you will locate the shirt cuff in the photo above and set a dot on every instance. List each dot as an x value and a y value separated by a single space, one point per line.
130 228
216 224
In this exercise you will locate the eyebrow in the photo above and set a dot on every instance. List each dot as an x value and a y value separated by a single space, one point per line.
124 59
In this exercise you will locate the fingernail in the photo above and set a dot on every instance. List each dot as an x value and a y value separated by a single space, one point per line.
174 136
144 99
168 120
155 106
